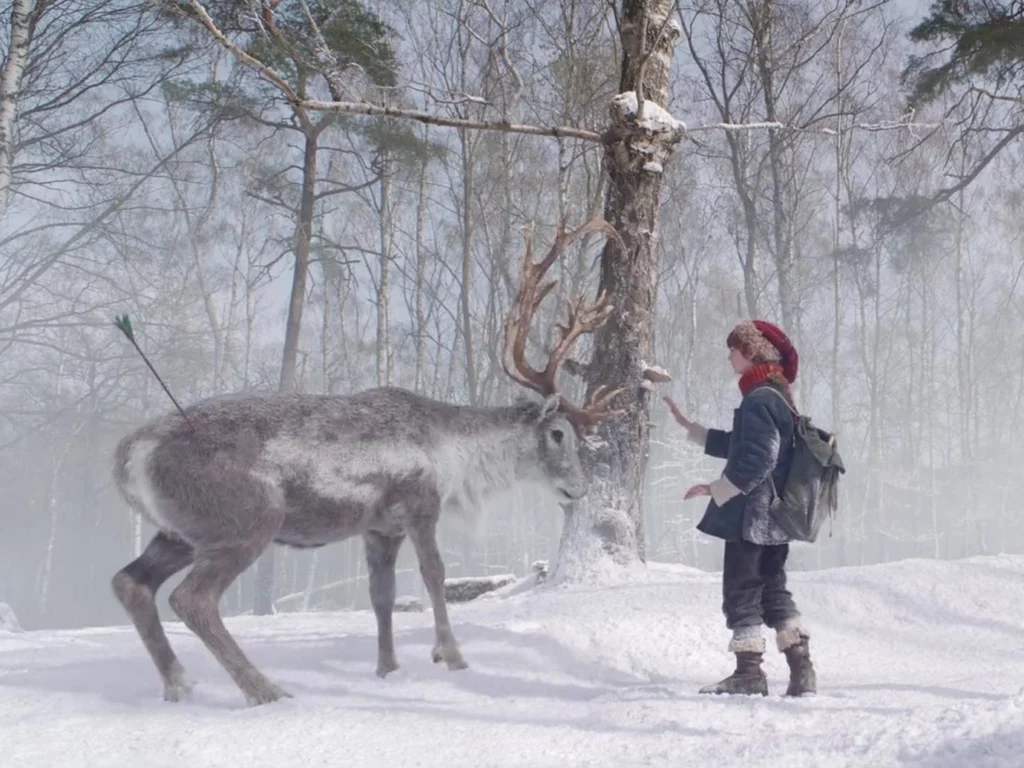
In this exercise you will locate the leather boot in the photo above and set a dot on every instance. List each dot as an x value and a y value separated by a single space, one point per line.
802 679
748 679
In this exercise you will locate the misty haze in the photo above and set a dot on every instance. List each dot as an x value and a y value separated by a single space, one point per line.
552 216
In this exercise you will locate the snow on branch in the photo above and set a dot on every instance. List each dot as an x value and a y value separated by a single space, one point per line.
884 126
895 125
736 126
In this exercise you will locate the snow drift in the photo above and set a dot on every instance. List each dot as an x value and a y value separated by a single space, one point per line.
919 663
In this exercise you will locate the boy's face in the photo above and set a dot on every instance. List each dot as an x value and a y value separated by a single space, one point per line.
739 362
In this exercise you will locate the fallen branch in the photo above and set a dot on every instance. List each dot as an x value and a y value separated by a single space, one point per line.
466 588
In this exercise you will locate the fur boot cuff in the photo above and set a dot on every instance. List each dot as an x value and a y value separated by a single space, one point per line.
787 637
753 644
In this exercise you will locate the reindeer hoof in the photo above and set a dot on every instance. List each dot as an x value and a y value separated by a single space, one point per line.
450 655
384 668
176 686
265 693
459 663
178 691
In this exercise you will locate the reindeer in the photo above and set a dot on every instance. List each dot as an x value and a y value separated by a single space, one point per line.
240 472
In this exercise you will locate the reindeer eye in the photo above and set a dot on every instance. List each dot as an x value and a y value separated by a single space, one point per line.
557 435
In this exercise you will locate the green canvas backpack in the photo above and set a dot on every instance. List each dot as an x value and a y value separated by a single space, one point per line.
811 491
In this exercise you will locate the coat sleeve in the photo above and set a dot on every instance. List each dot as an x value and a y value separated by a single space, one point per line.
754 458
716 443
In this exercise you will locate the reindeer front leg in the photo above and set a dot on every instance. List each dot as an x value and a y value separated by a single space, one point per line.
423 533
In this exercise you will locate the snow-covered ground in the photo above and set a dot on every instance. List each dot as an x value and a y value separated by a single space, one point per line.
920 663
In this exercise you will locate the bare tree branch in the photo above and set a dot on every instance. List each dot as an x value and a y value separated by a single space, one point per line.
945 194
362 108
32 271
998 97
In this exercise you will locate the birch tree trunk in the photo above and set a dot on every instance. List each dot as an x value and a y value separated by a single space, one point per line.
10 85
609 522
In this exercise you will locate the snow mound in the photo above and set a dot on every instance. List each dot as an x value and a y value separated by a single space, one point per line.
8 621
920 663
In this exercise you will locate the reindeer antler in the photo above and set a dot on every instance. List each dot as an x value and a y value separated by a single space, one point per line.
583 318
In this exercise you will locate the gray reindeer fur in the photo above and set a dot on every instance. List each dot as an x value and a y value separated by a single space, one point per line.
308 470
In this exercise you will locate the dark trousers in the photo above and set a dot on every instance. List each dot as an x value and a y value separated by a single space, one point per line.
754 585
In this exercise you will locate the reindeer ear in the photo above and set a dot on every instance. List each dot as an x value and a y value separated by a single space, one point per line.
551 404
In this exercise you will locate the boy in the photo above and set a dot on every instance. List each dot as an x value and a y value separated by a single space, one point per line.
758 453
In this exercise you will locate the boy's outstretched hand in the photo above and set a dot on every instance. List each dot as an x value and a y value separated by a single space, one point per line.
697 490
681 420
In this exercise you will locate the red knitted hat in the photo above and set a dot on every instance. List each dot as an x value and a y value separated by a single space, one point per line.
766 343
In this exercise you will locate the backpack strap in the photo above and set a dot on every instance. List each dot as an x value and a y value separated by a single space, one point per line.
783 398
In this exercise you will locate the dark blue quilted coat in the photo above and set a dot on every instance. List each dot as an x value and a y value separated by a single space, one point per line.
758 451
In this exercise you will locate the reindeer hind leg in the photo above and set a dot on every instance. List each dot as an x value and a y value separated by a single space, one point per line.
135 586
196 601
